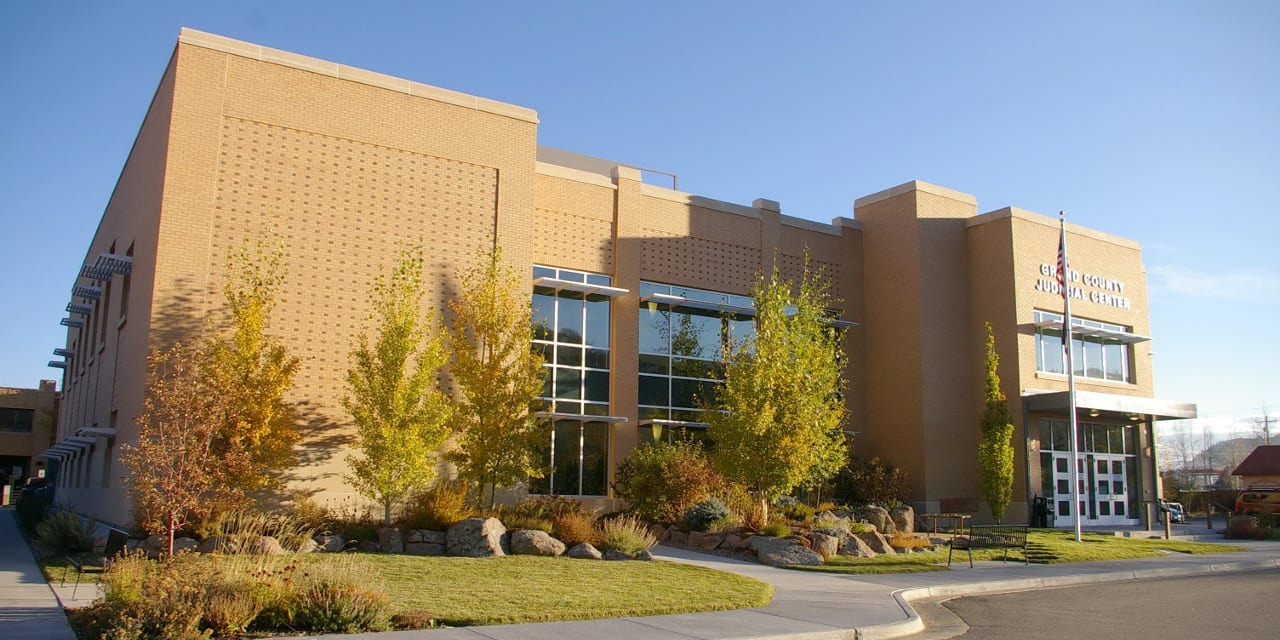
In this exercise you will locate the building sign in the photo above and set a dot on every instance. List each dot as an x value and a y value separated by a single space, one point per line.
1085 286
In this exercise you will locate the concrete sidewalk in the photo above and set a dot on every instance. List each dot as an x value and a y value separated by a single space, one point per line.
29 610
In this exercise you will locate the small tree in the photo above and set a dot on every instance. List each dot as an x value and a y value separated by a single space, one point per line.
175 473
400 414
498 432
995 451
253 371
781 411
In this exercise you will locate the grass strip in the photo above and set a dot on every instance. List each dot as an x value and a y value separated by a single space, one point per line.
1044 546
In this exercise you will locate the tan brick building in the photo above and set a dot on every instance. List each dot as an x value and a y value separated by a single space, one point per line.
347 166
27 424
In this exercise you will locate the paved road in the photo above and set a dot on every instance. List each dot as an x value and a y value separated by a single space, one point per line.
1237 606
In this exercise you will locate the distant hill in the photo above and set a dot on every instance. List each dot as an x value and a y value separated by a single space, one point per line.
1226 454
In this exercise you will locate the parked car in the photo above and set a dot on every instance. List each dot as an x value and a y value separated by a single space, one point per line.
1177 513
1256 500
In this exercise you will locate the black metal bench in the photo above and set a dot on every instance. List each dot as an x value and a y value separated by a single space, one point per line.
116 542
992 536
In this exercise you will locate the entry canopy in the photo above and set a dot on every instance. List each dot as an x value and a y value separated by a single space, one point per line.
1156 409
1123 337
585 288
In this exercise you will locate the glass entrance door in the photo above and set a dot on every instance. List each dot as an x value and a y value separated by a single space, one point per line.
1102 486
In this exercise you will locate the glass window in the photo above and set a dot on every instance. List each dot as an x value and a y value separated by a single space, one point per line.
573 332
1092 357
688 345
16 420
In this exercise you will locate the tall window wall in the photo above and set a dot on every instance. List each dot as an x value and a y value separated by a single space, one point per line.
685 335
571 318
1099 350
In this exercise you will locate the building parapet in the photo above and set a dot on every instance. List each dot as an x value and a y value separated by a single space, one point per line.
252 51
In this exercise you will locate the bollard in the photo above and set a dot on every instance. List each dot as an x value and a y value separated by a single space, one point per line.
1168 526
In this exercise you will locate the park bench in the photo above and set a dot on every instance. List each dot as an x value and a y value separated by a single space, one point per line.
992 536
116 542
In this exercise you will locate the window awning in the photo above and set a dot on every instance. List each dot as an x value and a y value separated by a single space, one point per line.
553 415
88 292
57 364
67 447
107 265
106 432
670 300
64 353
72 322
1123 337
674 423
79 309
1116 406
584 288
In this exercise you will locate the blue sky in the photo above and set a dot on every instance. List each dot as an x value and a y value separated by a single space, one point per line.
1155 121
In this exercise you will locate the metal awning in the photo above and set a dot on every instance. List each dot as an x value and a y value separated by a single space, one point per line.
674 423
670 300
107 265
1133 407
1123 337
79 309
585 288
72 322
105 432
57 364
65 353
89 292
553 415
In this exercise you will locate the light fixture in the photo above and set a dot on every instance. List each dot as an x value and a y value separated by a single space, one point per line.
1093 413
1134 417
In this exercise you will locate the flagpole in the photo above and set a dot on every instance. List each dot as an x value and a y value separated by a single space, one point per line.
1071 371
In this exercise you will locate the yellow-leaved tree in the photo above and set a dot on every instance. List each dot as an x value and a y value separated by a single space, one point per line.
781 413
400 413
498 432
253 371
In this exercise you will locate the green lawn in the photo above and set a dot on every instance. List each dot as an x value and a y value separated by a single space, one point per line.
1044 546
476 591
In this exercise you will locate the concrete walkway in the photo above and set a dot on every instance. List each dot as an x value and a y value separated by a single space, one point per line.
806 605
29 610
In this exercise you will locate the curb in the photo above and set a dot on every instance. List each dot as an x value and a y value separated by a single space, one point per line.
914 624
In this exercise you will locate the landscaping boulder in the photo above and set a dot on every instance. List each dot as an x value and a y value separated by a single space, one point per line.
370 546
904 518
391 540
879 518
476 538
218 544
184 543
331 544
877 542
614 554
695 539
585 551
308 546
535 543
826 546
659 531
677 537
734 541
264 546
781 551
710 542
854 546
644 555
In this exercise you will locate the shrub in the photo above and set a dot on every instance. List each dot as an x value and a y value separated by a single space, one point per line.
908 541
340 607
440 507
32 509
833 526
415 619
861 527
706 514
776 529
797 511
64 532
871 482
575 528
230 609
627 534
660 480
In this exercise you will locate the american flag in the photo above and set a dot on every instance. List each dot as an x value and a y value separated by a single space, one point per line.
1062 257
